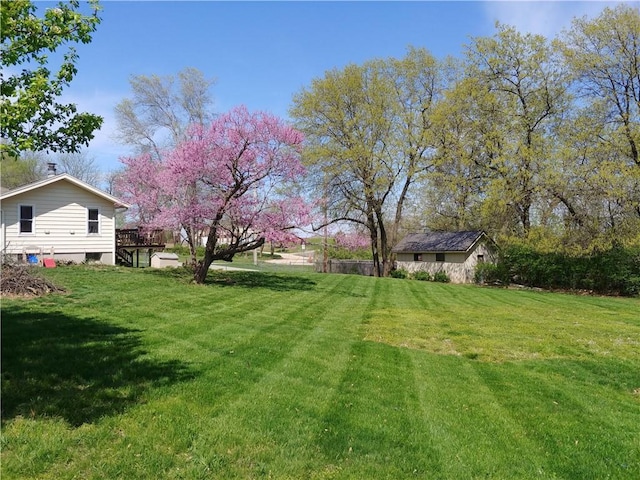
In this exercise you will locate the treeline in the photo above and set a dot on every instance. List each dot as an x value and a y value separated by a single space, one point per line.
531 139
543 136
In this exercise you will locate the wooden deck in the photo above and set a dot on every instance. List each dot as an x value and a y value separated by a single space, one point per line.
130 241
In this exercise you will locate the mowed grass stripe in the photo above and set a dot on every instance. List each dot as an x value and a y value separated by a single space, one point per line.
227 407
558 326
281 410
569 419
262 375
542 308
275 410
473 433
446 406
371 428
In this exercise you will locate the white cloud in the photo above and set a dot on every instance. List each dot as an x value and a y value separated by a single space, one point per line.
546 18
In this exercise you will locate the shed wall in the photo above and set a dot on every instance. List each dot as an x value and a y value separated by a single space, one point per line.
459 266
159 260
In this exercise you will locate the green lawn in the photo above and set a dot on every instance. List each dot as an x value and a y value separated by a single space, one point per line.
138 374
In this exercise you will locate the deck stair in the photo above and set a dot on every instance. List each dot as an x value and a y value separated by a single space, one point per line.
129 242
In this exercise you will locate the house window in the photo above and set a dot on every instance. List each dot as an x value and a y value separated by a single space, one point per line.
417 257
480 258
26 219
93 256
94 221
439 257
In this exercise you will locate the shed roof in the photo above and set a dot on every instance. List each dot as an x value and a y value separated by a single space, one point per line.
60 178
165 256
439 242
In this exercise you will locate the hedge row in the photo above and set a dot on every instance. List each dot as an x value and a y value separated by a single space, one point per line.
612 272
424 276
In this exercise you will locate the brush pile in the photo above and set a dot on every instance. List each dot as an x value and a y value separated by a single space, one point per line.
19 280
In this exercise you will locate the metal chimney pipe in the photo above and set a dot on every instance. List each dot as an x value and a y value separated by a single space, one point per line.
51 172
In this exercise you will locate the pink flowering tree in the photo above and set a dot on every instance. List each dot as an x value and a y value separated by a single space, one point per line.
350 245
352 241
231 182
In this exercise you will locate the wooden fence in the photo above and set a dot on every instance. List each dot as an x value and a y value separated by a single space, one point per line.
354 267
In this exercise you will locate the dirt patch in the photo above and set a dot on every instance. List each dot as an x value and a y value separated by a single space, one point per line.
302 259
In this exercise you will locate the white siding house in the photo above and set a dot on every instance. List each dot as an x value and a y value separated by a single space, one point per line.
60 217
454 253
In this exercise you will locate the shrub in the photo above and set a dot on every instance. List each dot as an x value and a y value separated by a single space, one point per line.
441 277
184 250
339 253
613 271
422 275
491 273
399 273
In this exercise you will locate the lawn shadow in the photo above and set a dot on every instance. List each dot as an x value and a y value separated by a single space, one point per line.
80 369
280 282
272 281
183 274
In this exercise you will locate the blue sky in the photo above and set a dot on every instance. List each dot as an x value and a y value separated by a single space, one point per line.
262 53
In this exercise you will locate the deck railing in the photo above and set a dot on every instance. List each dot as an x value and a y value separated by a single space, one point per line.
133 237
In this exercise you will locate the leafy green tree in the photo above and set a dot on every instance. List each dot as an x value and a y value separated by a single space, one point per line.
521 92
494 135
32 119
603 55
418 82
31 167
367 129
454 191
344 118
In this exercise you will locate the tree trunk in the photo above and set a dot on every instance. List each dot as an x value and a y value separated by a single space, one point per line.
373 235
384 245
572 211
201 270
524 212
192 241
227 253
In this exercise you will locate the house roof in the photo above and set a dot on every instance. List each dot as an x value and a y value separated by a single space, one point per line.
60 178
439 242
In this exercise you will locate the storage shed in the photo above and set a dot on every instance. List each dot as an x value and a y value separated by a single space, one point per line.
454 253
165 259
